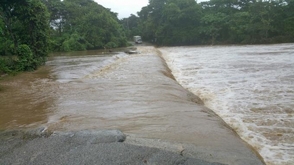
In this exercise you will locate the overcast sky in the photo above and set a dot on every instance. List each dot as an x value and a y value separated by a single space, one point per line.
125 8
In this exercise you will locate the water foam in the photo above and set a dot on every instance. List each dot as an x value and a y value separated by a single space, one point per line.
250 87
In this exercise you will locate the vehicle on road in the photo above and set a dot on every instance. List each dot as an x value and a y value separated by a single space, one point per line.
138 39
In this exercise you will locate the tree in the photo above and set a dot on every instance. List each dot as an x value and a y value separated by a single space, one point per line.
25 26
288 21
131 26
261 21
170 22
83 24
212 25
239 27
183 22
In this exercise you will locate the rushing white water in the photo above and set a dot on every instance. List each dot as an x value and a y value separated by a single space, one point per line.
250 87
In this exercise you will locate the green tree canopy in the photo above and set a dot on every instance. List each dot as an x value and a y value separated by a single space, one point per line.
24 34
83 24
184 22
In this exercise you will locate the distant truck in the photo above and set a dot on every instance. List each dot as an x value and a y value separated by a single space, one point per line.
138 39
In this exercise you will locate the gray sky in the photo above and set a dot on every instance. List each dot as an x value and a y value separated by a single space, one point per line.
125 8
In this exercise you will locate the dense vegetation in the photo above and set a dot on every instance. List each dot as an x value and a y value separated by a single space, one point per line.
82 25
23 35
31 28
184 22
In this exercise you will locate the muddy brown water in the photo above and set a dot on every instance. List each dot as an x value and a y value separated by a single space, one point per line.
133 93
250 87
23 103
28 99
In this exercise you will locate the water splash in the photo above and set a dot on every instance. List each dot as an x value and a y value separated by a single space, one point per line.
250 87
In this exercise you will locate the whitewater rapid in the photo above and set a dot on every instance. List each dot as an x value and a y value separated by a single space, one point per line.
250 87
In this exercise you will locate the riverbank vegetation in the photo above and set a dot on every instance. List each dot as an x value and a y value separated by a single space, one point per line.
185 22
23 35
83 25
29 29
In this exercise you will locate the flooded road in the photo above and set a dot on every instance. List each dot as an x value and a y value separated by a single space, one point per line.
134 93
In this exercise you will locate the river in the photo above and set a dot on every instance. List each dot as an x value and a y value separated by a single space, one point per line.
249 87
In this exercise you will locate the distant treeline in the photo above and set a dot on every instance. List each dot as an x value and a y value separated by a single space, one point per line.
184 22
29 29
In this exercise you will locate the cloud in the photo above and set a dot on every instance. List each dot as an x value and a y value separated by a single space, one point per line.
124 8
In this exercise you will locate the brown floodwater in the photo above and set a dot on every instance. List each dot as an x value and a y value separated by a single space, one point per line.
28 99
134 93
24 100
251 87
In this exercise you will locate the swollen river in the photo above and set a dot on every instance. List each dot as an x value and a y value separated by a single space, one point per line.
250 87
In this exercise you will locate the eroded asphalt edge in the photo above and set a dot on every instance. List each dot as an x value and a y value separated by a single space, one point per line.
83 147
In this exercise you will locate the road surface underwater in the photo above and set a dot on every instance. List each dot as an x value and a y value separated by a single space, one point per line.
136 94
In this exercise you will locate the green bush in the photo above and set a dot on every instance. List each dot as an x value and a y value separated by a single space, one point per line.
4 68
110 45
74 43
26 60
